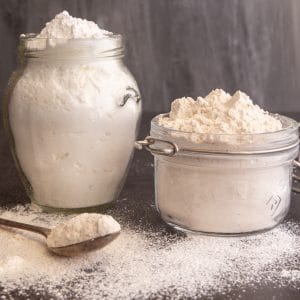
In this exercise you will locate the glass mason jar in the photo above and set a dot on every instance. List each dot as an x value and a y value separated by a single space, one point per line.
223 184
72 110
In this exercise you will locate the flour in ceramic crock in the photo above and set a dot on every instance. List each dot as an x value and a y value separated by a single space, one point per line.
219 113
148 264
82 228
72 138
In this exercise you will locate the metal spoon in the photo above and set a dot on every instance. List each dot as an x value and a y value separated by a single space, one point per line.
68 250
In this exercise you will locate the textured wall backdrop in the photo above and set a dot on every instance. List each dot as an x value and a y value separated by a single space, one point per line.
184 47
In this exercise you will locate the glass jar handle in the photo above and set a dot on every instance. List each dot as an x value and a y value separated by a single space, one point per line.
296 177
131 93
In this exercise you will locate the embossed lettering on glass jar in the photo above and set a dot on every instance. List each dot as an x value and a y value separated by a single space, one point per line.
227 184
72 112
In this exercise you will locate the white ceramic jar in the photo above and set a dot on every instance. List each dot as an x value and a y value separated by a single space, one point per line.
72 113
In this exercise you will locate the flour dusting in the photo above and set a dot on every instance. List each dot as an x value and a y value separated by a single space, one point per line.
150 264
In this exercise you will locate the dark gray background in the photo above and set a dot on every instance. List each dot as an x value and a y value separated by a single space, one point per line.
184 47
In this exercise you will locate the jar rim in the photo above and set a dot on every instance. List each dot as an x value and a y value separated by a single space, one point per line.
110 45
26 36
287 137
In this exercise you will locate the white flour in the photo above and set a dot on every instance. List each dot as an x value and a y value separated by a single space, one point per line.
223 193
72 138
64 26
148 264
219 113
81 228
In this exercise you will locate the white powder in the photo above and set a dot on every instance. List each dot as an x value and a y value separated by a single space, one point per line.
64 26
219 113
148 264
72 139
223 193
81 228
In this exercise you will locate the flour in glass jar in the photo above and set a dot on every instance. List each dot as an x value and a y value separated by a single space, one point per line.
227 127
145 264
73 137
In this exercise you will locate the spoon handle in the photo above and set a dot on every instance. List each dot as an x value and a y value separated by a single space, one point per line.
37 229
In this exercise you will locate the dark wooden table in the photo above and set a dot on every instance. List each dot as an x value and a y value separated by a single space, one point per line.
139 186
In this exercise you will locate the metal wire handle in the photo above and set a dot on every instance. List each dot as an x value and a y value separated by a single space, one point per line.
170 150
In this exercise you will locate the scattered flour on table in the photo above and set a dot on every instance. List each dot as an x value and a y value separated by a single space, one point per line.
143 264
81 228
219 113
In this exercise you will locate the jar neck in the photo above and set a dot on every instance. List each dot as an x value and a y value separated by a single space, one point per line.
40 49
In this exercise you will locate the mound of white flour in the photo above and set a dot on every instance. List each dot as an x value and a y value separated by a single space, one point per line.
67 27
219 113
81 228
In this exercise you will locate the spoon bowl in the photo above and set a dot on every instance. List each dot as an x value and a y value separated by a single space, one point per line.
85 246
67 250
